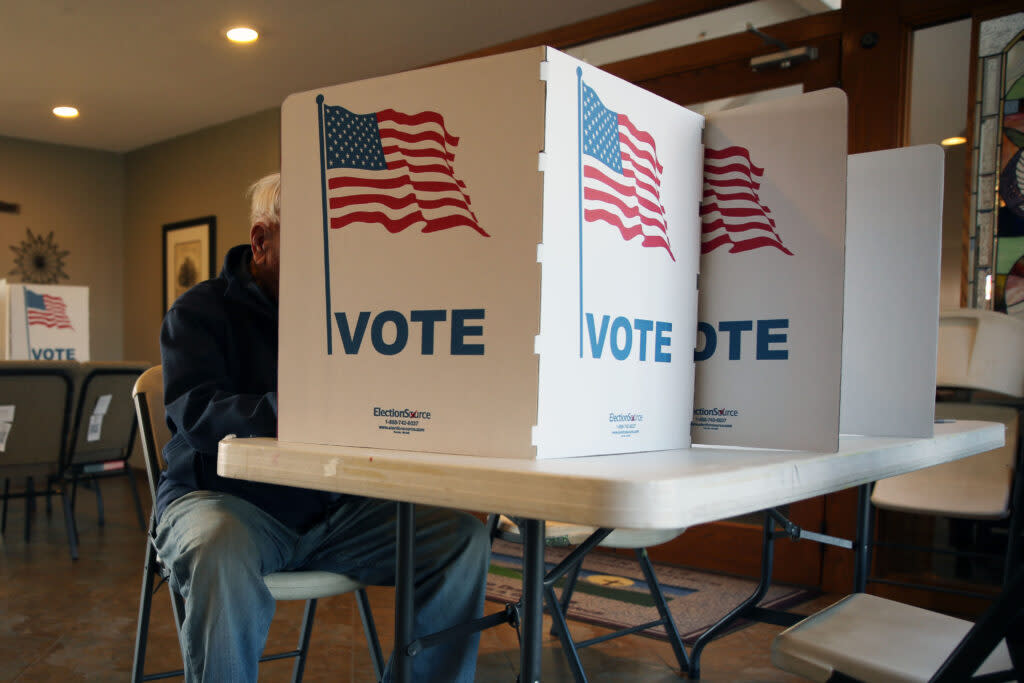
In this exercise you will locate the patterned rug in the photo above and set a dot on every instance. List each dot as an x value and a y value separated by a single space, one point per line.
611 591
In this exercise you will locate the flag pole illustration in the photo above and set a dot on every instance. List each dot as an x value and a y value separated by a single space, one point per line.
323 201
389 169
619 177
579 168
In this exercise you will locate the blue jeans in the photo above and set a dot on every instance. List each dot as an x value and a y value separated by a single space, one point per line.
219 547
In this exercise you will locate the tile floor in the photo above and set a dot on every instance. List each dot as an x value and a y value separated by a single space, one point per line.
75 621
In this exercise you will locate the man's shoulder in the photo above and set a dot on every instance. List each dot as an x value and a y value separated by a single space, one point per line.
206 295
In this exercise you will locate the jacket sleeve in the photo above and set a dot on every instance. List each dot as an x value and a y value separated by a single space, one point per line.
202 396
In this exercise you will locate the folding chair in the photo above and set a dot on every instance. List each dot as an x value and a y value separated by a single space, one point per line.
35 409
104 430
978 350
585 538
867 638
293 585
983 487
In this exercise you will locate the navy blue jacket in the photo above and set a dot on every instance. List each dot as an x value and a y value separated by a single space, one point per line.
218 346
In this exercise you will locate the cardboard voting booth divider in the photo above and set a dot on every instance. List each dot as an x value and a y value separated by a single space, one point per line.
891 310
769 338
491 257
44 322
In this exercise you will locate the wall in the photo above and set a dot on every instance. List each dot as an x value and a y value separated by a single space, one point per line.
78 194
939 76
200 174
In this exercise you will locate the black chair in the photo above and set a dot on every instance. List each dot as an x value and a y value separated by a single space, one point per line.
297 585
38 396
103 432
583 539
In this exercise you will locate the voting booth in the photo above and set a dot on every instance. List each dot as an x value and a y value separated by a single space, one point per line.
819 294
891 296
491 257
44 322
769 338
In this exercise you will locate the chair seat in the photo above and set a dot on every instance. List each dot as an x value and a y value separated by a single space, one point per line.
561 534
875 639
307 585
977 487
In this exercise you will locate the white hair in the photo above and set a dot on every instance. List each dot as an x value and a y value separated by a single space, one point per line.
265 196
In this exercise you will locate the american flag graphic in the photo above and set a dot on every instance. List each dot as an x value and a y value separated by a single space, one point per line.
393 169
44 309
732 213
621 174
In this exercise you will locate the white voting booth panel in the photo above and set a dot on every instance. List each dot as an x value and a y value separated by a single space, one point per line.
44 322
769 339
891 311
492 257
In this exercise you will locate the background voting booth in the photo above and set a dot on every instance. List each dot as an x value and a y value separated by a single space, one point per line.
44 322
500 257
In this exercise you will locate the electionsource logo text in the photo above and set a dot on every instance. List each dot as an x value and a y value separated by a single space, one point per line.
625 417
403 413
717 412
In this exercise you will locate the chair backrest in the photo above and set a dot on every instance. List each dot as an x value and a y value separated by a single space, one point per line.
37 395
149 409
104 424
979 349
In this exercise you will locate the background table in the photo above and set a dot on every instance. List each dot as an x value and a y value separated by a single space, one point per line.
654 490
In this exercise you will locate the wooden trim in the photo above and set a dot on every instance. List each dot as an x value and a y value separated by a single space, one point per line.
607 25
924 13
736 77
716 51
965 227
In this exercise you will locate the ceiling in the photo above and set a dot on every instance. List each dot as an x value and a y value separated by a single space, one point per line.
142 71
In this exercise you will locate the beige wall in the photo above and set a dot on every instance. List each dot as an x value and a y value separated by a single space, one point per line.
200 174
78 194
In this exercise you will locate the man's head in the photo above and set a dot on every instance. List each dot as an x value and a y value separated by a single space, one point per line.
265 233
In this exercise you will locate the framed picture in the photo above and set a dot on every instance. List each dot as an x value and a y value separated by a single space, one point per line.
188 255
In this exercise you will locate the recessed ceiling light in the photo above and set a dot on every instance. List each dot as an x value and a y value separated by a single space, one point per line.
65 112
953 141
242 34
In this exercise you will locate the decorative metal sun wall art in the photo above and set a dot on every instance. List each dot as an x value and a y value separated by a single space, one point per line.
39 259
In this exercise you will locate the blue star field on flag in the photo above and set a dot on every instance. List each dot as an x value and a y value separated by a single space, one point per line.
353 140
600 131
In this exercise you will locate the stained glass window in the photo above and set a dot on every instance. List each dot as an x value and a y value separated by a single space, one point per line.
996 246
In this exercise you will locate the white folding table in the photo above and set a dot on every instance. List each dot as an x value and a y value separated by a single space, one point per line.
654 490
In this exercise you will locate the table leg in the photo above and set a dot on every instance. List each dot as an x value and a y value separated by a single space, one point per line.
862 552
533 600
402 661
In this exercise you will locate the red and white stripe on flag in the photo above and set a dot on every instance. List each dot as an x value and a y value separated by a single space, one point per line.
631 200
731 211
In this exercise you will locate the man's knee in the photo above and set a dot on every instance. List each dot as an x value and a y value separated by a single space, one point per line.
209 539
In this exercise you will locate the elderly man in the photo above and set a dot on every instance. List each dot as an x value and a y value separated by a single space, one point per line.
219 537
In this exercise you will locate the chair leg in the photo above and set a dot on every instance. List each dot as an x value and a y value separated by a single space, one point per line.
304 635
99 502
370 630
562 629
69 524
666 615
133 485
567 591
30 507
145 605
3 517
